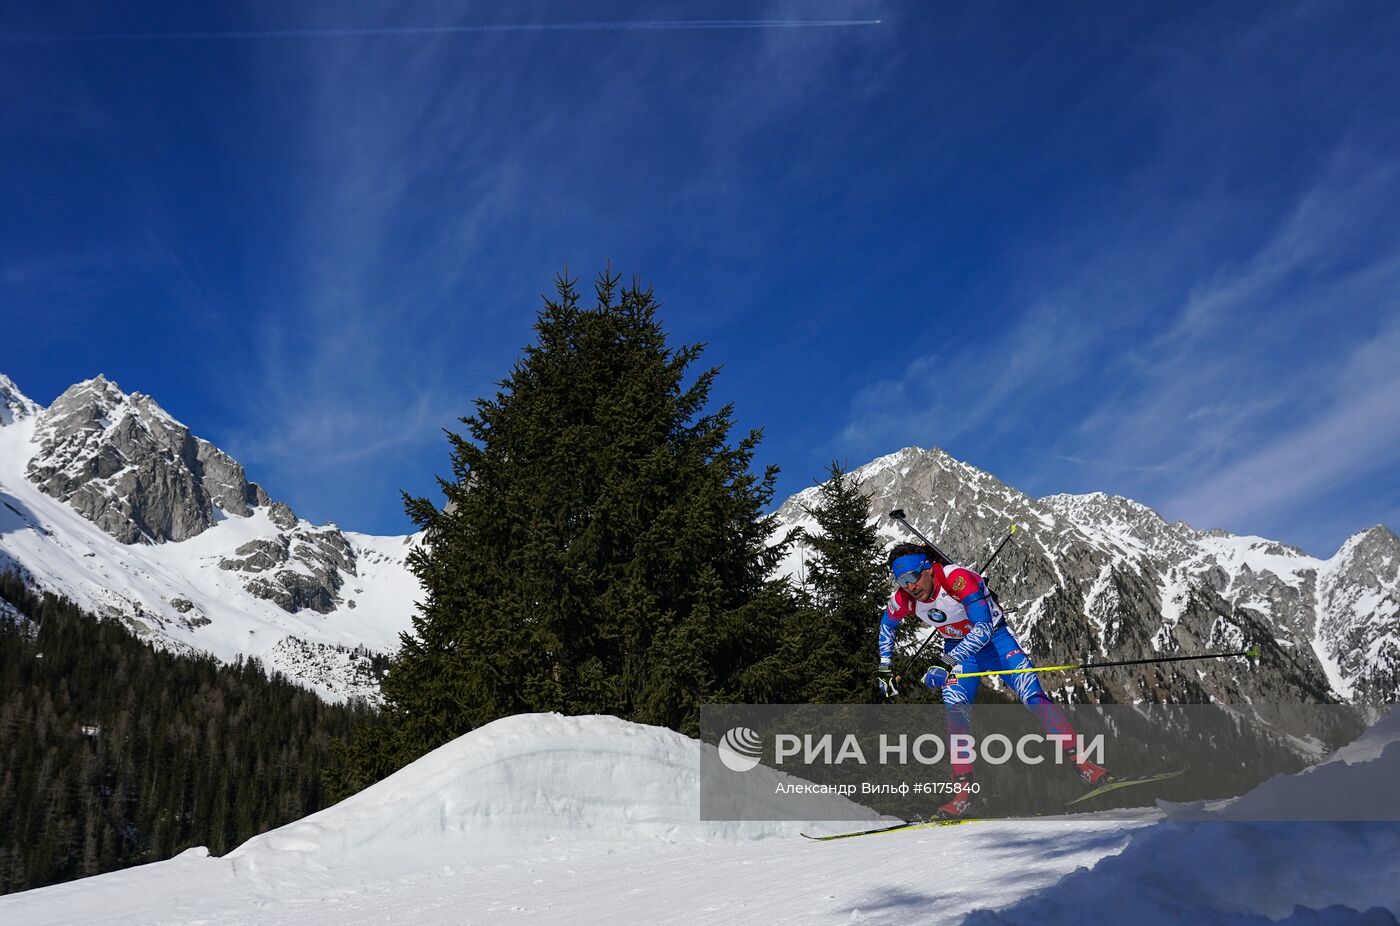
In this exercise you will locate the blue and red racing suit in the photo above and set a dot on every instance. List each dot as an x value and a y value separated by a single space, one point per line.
975 639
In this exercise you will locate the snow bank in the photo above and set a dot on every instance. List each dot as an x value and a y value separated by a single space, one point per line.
528 820
1357 783
526 786
1229 873
1222 864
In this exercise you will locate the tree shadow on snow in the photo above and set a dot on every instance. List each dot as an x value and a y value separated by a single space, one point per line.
15 516
1225 872
890 900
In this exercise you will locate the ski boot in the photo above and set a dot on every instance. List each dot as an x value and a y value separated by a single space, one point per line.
961 802
1091 774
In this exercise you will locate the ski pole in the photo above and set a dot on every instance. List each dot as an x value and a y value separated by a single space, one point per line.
1252 652
898 515
910 661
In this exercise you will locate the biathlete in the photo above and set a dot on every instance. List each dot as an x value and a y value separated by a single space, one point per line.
954 601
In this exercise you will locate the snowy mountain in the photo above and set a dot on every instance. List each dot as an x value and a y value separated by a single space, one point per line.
107 499
1108 577
112 502
541 819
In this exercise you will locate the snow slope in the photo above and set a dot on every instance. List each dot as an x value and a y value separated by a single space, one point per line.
542 819
1247 861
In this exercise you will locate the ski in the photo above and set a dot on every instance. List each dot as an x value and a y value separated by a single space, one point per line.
1125 783
894 827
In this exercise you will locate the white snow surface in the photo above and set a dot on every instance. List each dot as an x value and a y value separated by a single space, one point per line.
543 819
1249 860
522 786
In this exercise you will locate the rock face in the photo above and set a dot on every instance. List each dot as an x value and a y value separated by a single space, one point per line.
123 463
108 500
298 569
1107 577
1359 614
14 404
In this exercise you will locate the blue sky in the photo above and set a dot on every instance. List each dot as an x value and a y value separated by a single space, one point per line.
1149 249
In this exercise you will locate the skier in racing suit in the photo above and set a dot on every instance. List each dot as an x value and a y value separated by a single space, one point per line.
954 601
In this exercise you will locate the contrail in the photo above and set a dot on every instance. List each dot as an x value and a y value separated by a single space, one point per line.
600 26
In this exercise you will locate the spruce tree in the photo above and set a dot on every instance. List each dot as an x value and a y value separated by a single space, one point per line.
182 751
846 582
602 549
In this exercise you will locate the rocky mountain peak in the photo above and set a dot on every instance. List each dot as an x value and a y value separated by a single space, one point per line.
1108 576
1376 548
1124 525
1359 613
127 465
960 504
14 405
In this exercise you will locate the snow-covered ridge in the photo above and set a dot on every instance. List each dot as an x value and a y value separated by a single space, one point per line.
1359 591
1108 575
207 561
1331 606
1123 525
215 567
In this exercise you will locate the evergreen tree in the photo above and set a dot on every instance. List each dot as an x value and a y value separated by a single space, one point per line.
603 548
113 753
846 583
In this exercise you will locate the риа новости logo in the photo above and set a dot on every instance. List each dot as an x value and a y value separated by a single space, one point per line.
740 749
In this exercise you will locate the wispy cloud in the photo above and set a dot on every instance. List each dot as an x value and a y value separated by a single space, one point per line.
1273 388
969 378
1348 428
1258 347
439 185
1233 391
345 435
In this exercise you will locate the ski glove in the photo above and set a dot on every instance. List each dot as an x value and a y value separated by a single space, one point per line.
937 676
885 679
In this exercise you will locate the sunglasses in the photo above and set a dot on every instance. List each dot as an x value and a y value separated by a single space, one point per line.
909 578
907 569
